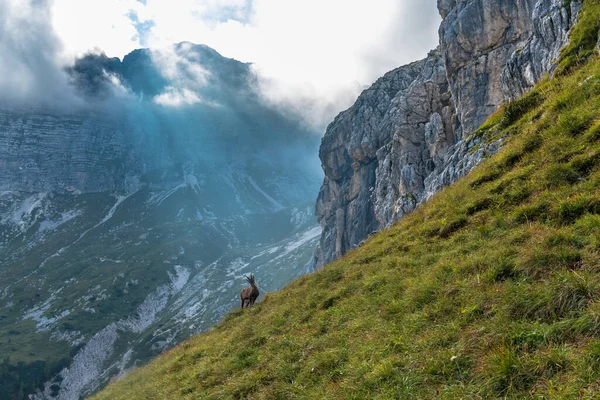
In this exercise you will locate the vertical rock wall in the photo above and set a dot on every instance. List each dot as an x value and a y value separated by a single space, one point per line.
406 136
44 151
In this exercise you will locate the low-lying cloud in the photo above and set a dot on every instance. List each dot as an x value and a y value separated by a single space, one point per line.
311 58
30 67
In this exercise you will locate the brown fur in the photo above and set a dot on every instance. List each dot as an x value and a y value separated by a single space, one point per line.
249 294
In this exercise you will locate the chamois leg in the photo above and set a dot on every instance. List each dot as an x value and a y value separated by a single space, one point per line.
242 302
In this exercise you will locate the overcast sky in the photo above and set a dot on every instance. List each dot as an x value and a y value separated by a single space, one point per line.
302 48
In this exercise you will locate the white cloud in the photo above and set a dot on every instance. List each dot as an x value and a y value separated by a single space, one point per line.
87 25
173 97
312 56
29 67
180 67
322 41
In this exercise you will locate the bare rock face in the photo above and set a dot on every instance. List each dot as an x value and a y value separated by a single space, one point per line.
44 151
349 156
408 135
377 154
551 21
477 38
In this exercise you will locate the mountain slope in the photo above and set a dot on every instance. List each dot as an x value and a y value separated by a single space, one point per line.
489 290
128 222
112 281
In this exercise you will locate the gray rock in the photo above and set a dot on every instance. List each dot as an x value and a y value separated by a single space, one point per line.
377 154
42 152
409 135
477 37
552 22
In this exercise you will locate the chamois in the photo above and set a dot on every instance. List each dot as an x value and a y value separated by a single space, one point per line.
249 295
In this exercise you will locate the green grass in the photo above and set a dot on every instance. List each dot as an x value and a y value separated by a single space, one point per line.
490 290
583 38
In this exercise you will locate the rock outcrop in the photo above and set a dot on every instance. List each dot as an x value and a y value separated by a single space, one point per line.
536 57
45 151
477 38
408 135
380 151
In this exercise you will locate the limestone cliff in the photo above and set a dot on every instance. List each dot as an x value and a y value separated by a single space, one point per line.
45 151
408 135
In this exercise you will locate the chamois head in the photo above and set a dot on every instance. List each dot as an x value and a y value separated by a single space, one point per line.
248 295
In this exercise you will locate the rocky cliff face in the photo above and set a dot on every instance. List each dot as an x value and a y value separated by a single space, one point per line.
45 151
408 135
381 150
536 56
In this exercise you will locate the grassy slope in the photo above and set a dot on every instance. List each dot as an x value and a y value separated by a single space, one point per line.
491 289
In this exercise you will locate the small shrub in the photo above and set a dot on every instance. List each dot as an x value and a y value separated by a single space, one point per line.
561 174
451 227
532 212
508 373
514 110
